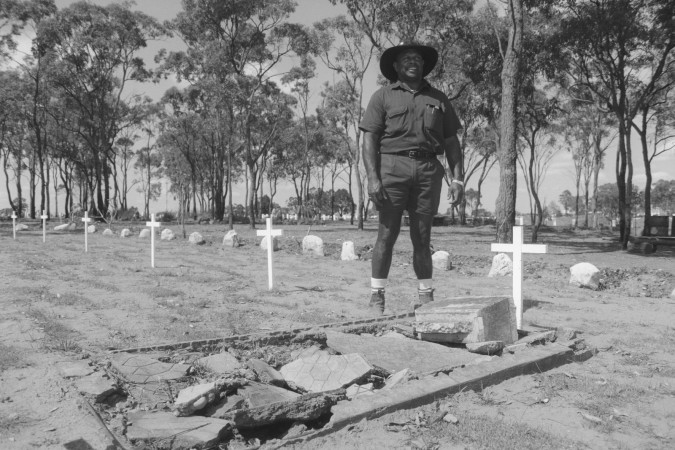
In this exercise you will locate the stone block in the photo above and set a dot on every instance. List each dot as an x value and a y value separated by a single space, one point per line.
231 239
180 432
348 252
144 234
125 233
501 266
323 372
312 245
585 275
196 239
91 229
193 398
485 348
96 385
167 235
220 363
260 394
275 244
108 232
466 320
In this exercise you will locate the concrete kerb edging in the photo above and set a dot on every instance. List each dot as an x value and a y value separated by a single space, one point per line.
423 392
270 337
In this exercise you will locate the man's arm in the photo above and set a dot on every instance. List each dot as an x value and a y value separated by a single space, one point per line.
453 154
371 159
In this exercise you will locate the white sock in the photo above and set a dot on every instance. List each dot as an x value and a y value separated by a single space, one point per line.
425 285
377 284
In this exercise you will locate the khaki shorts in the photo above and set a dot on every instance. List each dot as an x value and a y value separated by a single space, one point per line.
413 185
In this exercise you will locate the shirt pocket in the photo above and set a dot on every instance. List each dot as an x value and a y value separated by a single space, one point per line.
433 118
396 120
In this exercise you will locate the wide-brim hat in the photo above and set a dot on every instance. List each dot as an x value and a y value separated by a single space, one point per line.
429 54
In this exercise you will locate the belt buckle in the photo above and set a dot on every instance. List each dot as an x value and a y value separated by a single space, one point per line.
412 154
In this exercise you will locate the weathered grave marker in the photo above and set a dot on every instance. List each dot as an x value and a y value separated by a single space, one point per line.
14 224
152 224
518 248
269 234
86 221
44 218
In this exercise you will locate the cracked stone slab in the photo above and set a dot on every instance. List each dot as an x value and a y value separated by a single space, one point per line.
220 362
259 394
96 385
323 372
183 432
73 369
396 354
140 369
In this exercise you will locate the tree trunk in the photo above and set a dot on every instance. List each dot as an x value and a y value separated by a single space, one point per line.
505 209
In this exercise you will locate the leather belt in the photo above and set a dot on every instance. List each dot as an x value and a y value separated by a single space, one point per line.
416 154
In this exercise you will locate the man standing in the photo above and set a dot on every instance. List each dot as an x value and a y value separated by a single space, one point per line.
406 126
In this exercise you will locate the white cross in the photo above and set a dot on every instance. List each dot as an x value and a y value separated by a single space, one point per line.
44 218
14 224
269 233
518 248
86 221
152 224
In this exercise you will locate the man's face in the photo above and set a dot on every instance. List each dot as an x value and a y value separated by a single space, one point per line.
409 66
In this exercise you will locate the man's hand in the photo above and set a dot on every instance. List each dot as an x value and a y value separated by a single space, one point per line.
377 194
455 193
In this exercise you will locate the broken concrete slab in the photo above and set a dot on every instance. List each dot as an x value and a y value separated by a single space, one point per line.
182 432
193 398
73 369
397 378
394 354
96 385
140 369
260 394
356 390
464 320
266 373
322 372
226 405
303 408
485 348
220 362
306 352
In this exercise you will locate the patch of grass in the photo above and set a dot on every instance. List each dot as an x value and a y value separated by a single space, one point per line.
486 433
96 284
10 358
70 299
56 336
162 292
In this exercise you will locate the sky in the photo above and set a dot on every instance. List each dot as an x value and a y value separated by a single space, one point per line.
560 175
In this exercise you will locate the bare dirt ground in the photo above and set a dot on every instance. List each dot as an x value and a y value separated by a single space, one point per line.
58 303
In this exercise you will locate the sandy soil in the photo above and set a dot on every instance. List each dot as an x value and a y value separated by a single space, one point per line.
58 303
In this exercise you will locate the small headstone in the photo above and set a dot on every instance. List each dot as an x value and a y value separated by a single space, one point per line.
125 233
96 385
585 275
501 266
275 243
21 227
441 260
231 239
321 372
66 227
91 229
672 294
182 432
168 235
312 245
196 239
485 348
193 398
108 232
467 319
220 362
144 234
348 252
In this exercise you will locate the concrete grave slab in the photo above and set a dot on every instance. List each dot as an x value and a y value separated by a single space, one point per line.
322 372
466 320
395 354
140 369
96 385
184 432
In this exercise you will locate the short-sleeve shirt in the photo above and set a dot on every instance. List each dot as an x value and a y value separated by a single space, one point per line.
410 121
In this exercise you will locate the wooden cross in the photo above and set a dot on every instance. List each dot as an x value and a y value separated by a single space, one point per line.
152 224
518 248
14 224
86 221
44 218
269 234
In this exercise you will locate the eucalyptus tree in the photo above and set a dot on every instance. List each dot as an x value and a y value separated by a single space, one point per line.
619 50
90 54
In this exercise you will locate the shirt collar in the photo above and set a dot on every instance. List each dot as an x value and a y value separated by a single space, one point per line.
398 85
